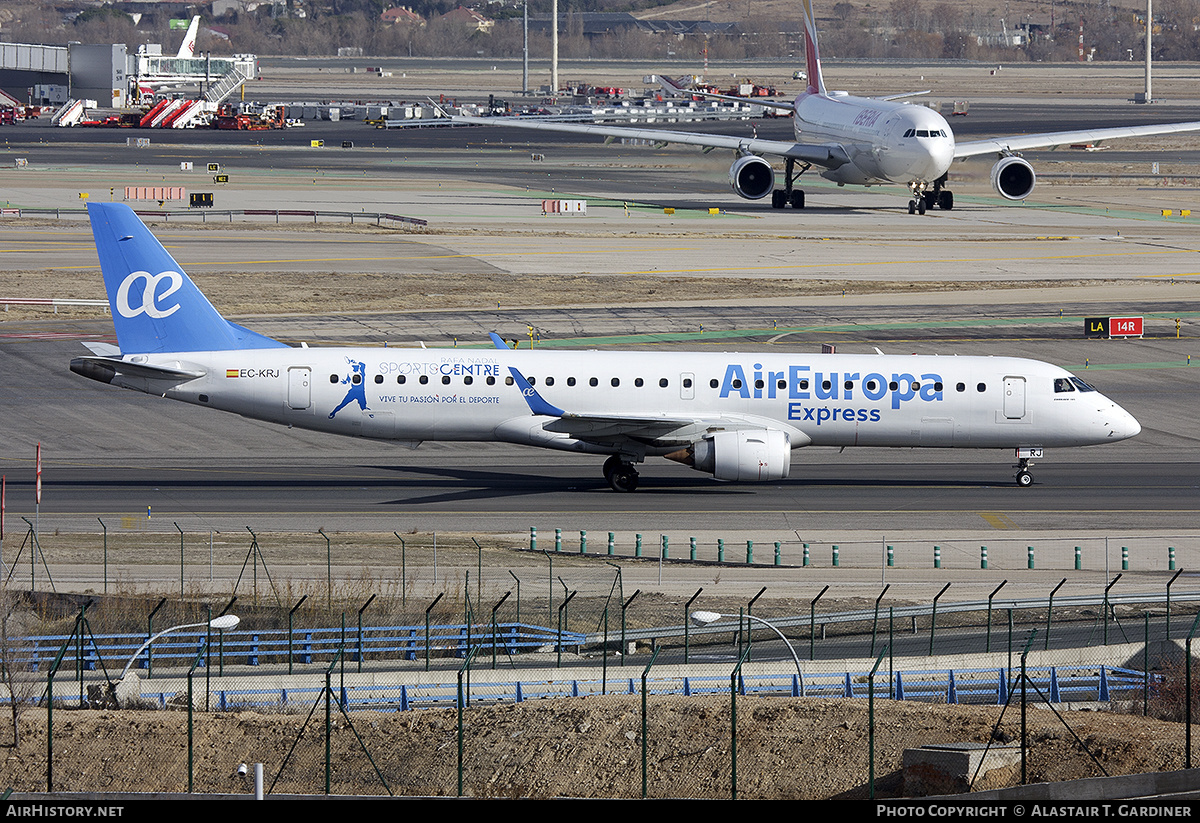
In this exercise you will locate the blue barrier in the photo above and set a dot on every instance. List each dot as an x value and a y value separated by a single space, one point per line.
929 685
271 646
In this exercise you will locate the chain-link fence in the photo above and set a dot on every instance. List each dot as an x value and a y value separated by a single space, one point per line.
483 679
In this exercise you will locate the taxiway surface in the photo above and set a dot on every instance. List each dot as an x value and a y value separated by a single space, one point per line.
1076 251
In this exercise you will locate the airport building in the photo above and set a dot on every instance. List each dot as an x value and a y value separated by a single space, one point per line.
112 77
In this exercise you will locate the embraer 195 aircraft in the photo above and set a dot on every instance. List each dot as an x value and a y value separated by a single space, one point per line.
735 416
861 141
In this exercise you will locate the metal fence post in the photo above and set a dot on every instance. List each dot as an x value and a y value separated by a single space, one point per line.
733 679
645 724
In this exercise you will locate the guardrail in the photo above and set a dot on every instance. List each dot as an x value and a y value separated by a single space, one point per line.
50 301
410 642
204 213
1056 684
254 648
909 613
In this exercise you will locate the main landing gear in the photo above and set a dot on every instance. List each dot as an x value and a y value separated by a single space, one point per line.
620 474
789 196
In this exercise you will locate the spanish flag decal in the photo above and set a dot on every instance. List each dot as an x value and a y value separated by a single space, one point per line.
231 372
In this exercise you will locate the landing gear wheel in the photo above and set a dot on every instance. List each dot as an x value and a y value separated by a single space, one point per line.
912 206
921 206
624 479
621 476
778 199
945 200
613 463
1024 479
797 199
930 199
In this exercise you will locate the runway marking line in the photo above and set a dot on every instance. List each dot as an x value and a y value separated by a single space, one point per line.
847 328
928 262
998 520
463 256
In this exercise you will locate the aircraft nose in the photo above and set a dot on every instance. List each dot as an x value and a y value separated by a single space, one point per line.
939 154
1132 427
1123 425
926 159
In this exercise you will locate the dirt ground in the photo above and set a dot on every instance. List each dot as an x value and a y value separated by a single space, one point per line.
587 747
369 292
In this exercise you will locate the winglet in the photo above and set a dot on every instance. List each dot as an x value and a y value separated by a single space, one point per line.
498 341
536 404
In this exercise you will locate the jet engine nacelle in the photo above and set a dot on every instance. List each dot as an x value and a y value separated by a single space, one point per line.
1013 177
752 177
745 456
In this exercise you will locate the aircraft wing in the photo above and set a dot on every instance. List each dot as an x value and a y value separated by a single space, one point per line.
903 95
1053 140
675 88
608 428
615 429
782 105
826 155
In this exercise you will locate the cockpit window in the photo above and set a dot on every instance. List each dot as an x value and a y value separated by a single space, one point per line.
1079 384
1063 384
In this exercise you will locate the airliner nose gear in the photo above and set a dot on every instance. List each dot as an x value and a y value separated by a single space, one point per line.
1024 461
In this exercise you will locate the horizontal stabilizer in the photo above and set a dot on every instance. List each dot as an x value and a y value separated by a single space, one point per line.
105 369
103 349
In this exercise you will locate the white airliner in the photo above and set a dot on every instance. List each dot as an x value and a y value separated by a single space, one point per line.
735 416
862 141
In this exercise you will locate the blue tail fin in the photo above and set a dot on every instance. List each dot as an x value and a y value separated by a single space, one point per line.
155 305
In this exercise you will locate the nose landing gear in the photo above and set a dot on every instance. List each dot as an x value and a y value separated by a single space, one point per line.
1024 461
926 196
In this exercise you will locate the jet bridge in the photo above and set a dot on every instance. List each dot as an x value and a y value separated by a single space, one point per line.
219 77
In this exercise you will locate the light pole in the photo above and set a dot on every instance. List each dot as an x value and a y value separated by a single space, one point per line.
708 618
223 623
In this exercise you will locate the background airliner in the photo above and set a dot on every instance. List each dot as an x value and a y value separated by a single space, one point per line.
188 47
735 416
863 141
